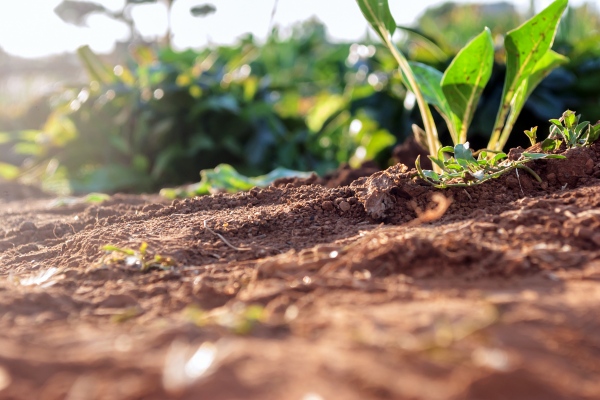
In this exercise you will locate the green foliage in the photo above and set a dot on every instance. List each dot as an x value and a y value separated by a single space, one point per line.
377 13
224 178
463 169
464 81
529 60
166 115
568 130
136 259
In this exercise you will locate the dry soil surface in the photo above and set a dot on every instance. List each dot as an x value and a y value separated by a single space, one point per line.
306 292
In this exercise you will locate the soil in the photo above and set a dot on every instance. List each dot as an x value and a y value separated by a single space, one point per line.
381 289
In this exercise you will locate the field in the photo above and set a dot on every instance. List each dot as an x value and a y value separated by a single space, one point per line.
380 289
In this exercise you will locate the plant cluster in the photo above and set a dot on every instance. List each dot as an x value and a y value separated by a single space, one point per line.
463 169
456 92
568 130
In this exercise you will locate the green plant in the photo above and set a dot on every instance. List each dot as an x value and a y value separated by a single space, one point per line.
137 259
457 91
224 178
463 169
569 130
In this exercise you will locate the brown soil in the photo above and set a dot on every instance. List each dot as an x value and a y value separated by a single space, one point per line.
310 292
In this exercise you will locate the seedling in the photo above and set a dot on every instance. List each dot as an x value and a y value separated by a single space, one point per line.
532 135
463 169
137 259
569 130
456 92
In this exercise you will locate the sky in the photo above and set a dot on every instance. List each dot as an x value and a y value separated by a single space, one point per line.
29 28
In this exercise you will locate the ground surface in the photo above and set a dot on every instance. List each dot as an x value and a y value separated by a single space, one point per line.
309 292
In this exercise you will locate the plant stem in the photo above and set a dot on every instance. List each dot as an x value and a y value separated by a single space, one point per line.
499 125
429 125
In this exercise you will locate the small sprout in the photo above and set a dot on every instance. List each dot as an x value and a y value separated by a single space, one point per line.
138 259
532 135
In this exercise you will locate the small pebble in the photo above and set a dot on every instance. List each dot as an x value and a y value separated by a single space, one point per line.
327 205
27 226
344 206
596 239
589 166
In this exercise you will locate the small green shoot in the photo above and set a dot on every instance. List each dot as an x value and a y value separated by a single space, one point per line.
532 135
569 130
137 259
463 169
239 318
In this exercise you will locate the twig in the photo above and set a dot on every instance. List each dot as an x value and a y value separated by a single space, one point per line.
223 239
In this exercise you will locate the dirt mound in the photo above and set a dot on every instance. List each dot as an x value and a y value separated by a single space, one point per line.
301 291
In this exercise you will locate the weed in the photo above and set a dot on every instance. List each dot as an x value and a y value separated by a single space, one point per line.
463 169
569 130
137 259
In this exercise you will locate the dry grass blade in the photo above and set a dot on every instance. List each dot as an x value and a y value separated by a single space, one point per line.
223 239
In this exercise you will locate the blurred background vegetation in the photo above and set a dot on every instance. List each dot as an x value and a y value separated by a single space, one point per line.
147 116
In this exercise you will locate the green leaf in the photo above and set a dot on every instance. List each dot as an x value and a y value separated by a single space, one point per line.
548 63
429 81
462 153
325 108
569 118
539 156
528 44
532 135
525 47
377 13
465 78
498 157
550 144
